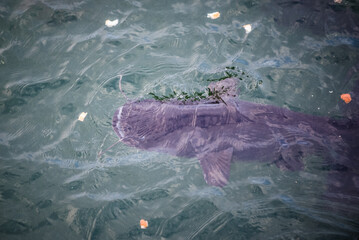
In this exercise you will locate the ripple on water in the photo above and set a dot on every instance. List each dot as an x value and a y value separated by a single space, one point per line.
59 59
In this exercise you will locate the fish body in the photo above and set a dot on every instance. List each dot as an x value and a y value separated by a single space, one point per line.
219 132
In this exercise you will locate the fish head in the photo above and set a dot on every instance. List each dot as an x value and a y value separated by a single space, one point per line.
138 122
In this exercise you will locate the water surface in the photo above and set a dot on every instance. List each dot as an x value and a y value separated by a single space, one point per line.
58 59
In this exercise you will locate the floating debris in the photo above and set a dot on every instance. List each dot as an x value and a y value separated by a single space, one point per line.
213 15
346 97
110 23
143 224
213 93
82 116
248 28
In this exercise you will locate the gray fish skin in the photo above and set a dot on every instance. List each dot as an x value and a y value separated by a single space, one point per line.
219 132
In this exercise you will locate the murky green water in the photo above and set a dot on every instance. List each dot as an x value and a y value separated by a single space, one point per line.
58 59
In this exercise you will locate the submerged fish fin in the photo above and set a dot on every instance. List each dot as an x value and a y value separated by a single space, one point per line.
216 166
290 159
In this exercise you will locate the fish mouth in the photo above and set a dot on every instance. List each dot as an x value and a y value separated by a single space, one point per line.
116 123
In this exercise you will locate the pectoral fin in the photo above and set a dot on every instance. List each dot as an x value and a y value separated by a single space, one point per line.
216 166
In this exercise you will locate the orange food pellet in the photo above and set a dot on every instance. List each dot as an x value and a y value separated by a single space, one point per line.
143 224
346 97
213 15
82 116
